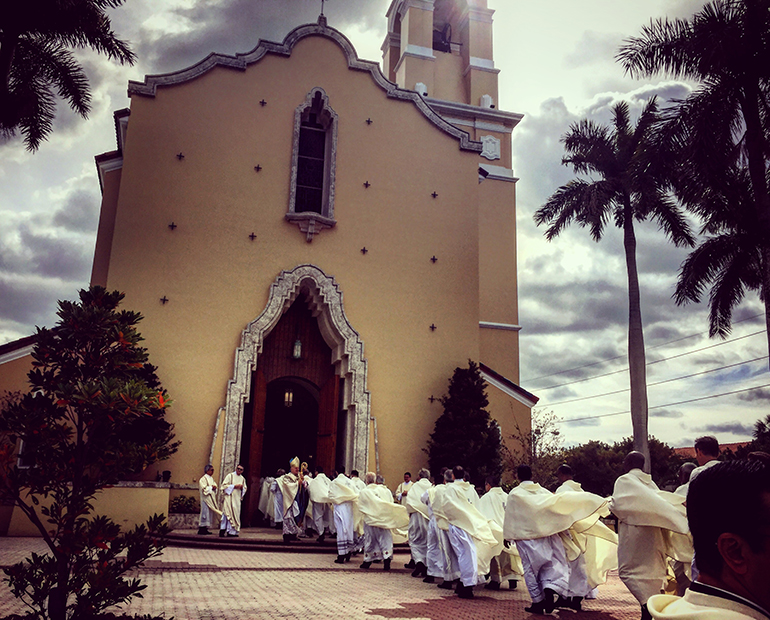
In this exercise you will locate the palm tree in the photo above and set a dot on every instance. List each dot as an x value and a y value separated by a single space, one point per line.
719 133
36 66
631 184
729 259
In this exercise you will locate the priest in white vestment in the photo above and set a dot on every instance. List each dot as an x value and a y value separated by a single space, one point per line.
210 512
233 489
470 491
507 565
277 496
344 497
322 515
403 488
538 521
473 539
652 526
435 558
290 485
419 517
595 550
357 483
381 515
266 500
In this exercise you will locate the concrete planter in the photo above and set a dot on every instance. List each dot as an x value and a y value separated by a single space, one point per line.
181 521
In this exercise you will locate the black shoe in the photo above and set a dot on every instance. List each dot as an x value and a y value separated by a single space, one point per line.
340 559
348 556
278 526
420 570
492 585
366 565
203 531
576 603
464 591
536 608
386 564
446 585
222 533
411 564
563 602
321 538
232 535
548 602
429 579
512 583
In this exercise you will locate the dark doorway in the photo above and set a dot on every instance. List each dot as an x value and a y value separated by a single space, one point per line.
291 423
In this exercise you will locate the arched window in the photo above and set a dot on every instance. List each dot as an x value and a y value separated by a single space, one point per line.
311 197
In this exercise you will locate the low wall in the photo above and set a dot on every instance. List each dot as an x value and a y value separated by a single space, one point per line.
127 504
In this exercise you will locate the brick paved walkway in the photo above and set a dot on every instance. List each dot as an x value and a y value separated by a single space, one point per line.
204 584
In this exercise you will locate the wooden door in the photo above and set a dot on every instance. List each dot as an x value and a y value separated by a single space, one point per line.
257 435
327 424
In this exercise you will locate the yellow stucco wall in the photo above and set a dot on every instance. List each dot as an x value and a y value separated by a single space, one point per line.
13 375
217 280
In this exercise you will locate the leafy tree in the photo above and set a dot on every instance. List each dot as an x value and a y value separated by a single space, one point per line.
632 184
760 442
36 65
465 434
95 413
540 448
597 464
718 137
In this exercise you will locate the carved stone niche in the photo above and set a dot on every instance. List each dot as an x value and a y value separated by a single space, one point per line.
315 133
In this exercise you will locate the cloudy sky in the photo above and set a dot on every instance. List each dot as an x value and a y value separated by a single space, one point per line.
556 61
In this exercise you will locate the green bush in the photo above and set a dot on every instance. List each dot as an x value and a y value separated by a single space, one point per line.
184 504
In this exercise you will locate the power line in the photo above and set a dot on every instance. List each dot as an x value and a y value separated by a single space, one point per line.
681 402
617 357
695 374
664 359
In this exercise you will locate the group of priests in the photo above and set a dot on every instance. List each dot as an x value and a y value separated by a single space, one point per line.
556 542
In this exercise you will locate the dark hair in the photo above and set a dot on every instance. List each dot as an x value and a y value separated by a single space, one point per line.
319 469
341 470
524 472
565 470
493 481
458 472
727 497
406 473
708 445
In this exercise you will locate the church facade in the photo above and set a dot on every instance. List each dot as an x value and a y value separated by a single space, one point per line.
317 242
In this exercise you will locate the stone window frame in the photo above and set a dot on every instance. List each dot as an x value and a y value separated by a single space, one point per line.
309 222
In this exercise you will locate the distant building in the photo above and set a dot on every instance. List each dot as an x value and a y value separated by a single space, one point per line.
316 243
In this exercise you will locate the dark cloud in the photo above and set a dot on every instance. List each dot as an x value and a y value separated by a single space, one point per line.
733 428
80 212
30 301
666 413
756 395
48 257
230 26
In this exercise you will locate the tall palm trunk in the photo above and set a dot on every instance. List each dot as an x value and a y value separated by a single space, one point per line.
755 147
636 358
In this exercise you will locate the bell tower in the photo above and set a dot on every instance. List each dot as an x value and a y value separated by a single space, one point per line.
442 49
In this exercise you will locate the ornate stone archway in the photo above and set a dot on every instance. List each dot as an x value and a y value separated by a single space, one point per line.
325 302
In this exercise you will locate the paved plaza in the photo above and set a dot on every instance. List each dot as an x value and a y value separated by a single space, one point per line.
214 584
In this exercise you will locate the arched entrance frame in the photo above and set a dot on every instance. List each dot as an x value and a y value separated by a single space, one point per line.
325 303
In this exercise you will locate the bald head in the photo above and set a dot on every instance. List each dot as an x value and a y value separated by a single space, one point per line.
634 460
